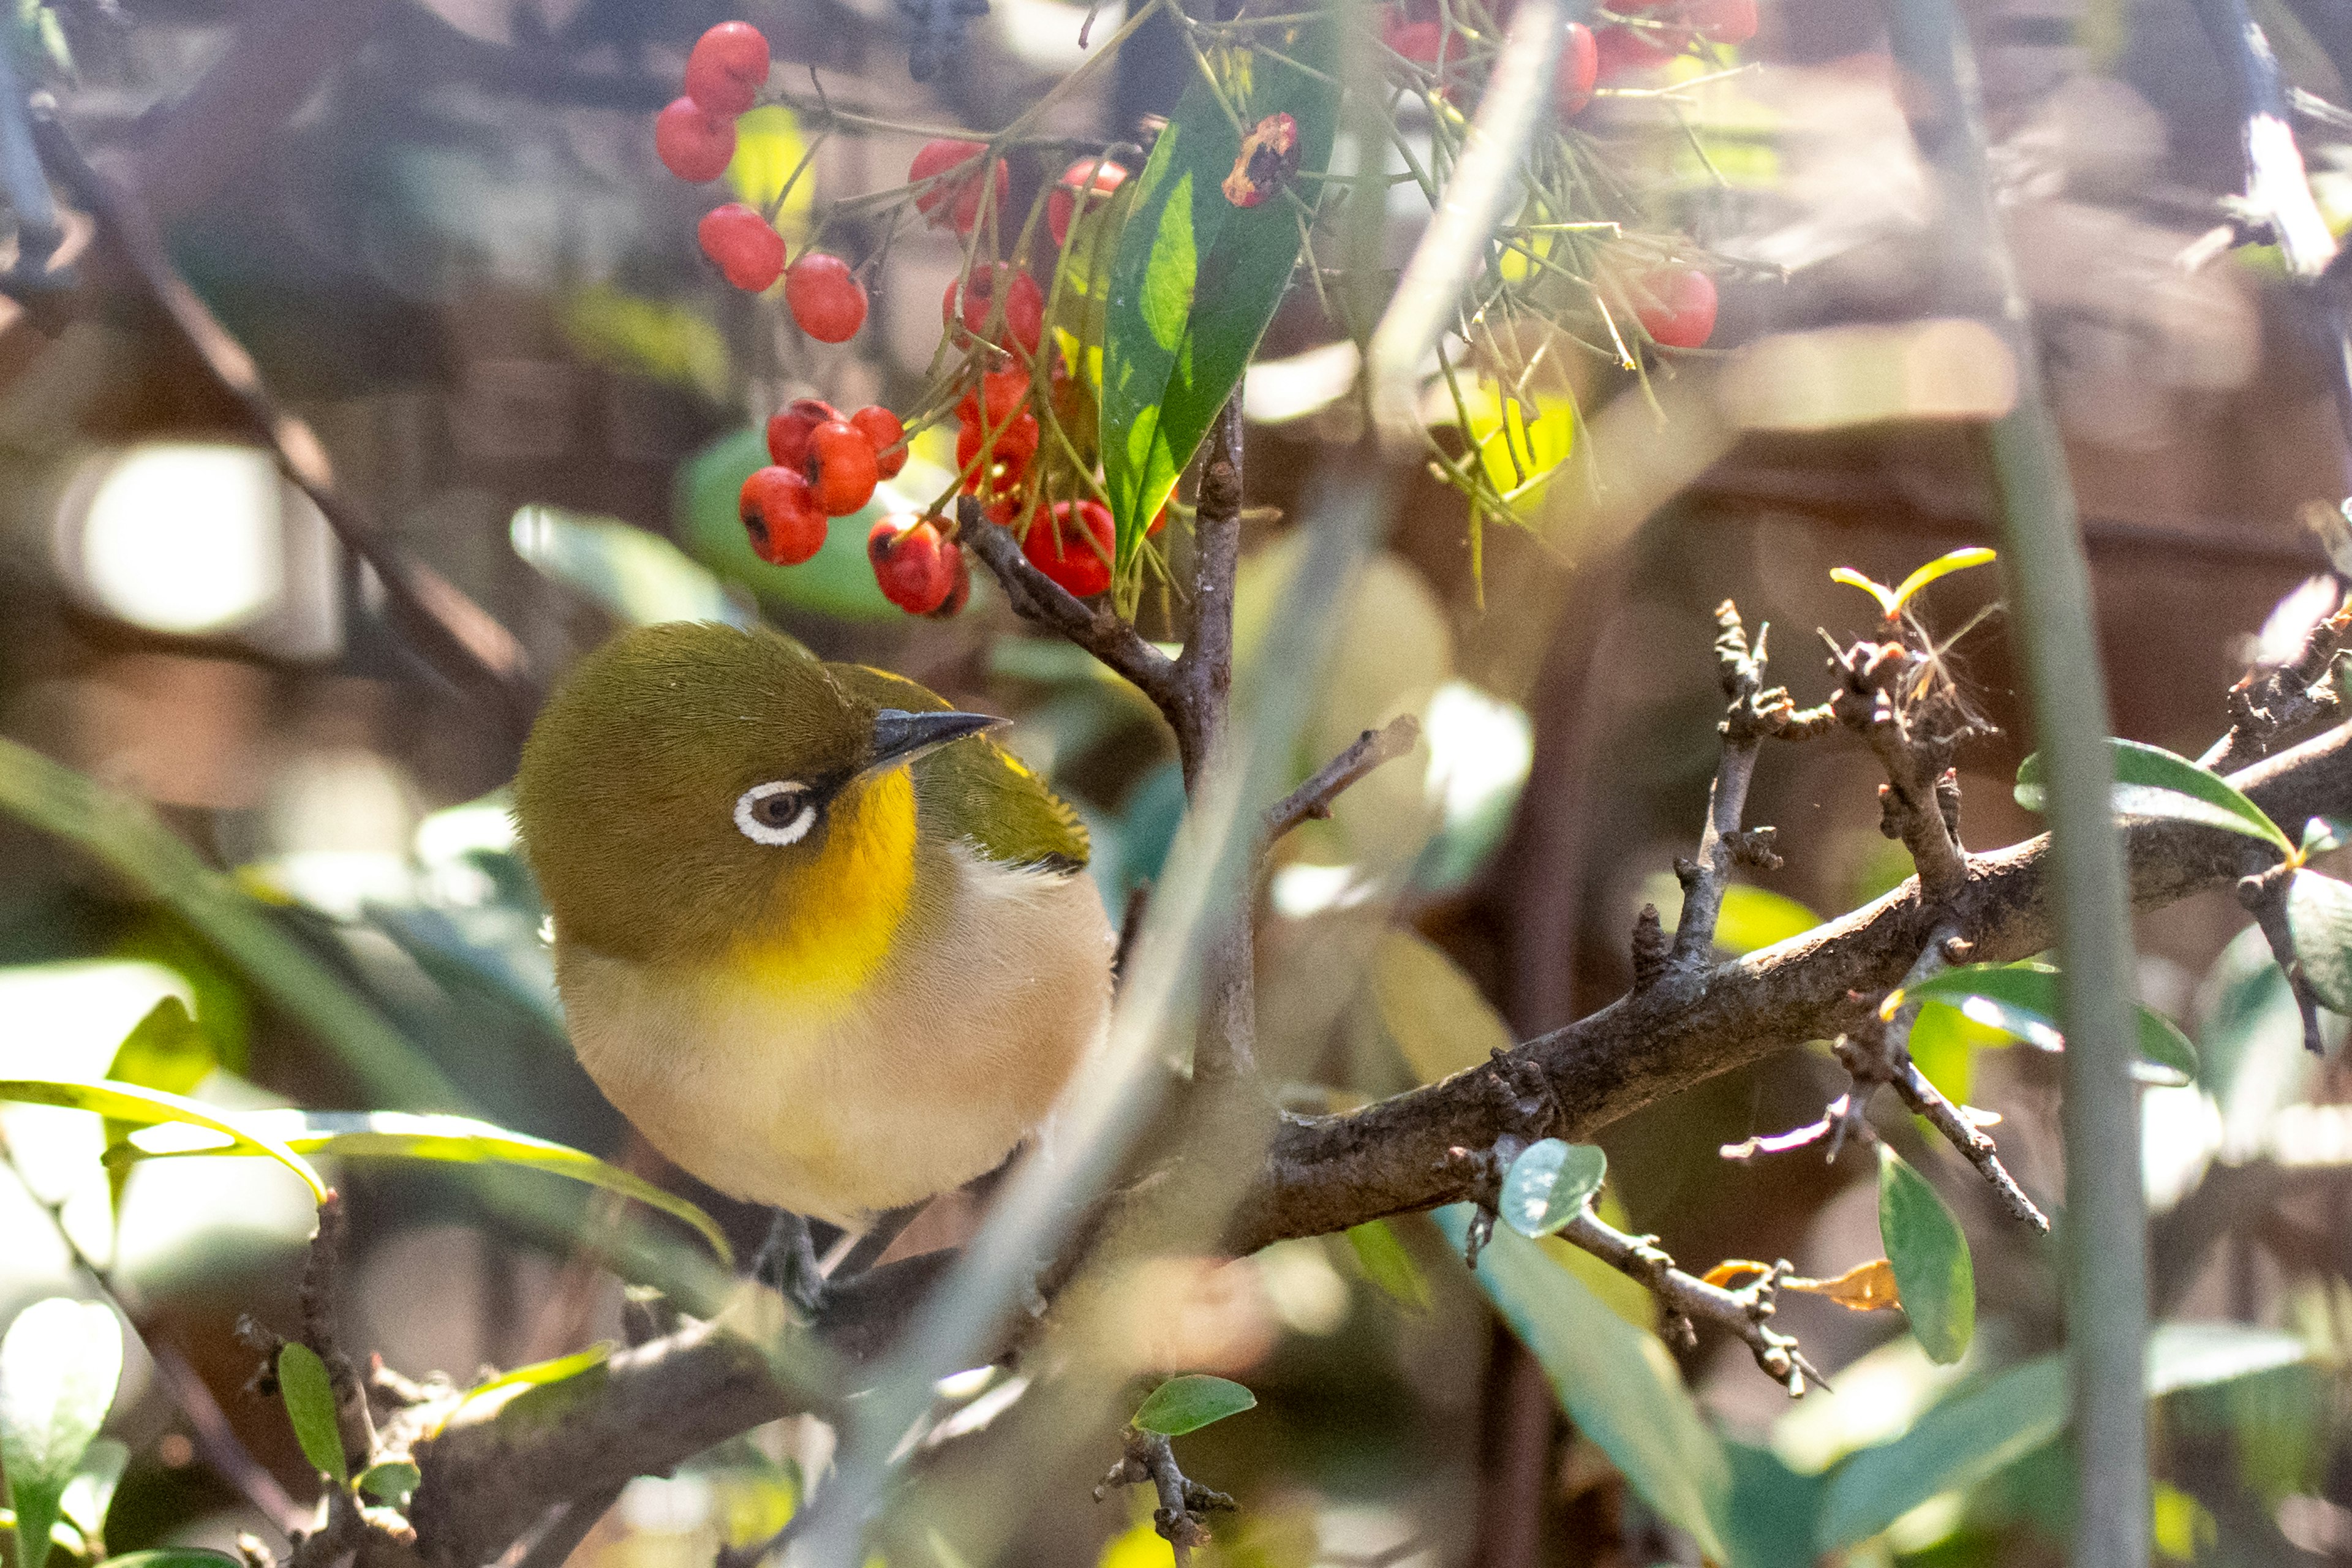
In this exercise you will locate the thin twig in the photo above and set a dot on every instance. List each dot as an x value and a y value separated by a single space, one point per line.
1919 804
1311 802
1037 598
1745 1312
2273 703
1184 1503
321 1266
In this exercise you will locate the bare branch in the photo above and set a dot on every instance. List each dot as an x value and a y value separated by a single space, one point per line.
1311 802
1919 802
1745 1312
2271 703
1184 1503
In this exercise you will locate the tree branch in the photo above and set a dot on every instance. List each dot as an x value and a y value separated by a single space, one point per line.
1311 802
1038 599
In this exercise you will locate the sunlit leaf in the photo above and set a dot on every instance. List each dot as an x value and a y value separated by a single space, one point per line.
59 1364
1943 1045
1549 1183
1930 1258
1187 1404
1955 1444
398 1135
2153 782
1942 567
91 1493
2021 999
164 1050
151 1108
537 1374
1387 1264
310 1396
1876 590
2323 833
1865 1288
767 147
1756 918
2319 912
641 577
1197 277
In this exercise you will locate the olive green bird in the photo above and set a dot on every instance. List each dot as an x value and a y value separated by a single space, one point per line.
829 946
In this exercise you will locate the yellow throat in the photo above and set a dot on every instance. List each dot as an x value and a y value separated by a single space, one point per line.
830 922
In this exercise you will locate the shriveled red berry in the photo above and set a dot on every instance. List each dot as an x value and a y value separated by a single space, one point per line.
881 427
959 586
727 68
1675 305
1074 547
693 144
1025 304
825 299
785 524
1723 21
789 428
840 466
745 247
1579 69
910 563
1095 179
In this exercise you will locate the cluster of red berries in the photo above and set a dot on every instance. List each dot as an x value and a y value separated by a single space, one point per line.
822 466
695 139
1658 31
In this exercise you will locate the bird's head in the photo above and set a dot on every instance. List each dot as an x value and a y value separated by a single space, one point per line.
693 787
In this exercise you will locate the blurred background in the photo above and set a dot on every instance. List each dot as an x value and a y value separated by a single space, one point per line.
439 229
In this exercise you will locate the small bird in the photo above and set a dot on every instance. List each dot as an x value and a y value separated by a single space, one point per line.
825 943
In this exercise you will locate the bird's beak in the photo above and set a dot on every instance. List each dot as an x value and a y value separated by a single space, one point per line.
901 737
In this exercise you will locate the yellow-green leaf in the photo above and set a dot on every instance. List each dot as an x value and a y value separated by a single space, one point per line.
1942 567
147 1107
310 1396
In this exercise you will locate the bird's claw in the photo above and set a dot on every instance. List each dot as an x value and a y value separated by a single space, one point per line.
787 1262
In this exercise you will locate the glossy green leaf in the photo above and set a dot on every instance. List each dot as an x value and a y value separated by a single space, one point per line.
1388 1264
1617 1383
2021 999
1196 278
1955 1444
309 1395
1930 1255
390 1481
1549 1183
538 1374
151 1108
2319 912
164 1050
59 1364
1943 1045
91 1493
454 1140
1187 1404
2153 782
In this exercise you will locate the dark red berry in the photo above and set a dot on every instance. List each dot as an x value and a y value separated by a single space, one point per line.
1096 179
727 68
785 524
840 466
1074 547
881 427
956 199
1024 304
959 586
693 144
825 299
789 428
1676 305
1579 69
745 245
910 563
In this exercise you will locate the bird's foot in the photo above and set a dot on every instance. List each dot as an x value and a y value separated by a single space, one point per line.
787 1261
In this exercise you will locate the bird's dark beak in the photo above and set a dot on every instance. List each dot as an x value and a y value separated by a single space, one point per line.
901 737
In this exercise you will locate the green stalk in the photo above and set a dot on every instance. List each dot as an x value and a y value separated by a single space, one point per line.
2050 596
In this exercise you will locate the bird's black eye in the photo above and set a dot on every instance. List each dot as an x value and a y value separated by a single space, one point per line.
779 812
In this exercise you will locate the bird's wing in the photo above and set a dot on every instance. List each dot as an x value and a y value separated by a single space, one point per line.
981 792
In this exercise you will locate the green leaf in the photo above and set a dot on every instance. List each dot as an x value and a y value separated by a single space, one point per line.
91 1493
390 1481
2322 834
2021 999
2153 782
164 1050
1388 1264
1955 1444
538 1374
1930 1255
1549 1183
151 1108
1187 1404
174 1557
59 1368
1773 1510
2319 912
309 1395
1197 278
1617 1383
1944 1043
455 1140
1430 1009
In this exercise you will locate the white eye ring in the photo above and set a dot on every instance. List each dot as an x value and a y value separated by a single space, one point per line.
751 820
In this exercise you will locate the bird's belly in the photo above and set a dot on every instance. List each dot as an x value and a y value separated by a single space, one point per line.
956 1054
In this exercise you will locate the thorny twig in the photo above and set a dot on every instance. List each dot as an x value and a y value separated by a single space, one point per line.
1226 1046
1184 1503
2271 703
1311 802
1880 699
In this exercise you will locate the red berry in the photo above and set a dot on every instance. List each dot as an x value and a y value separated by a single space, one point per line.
1010 452
828 304
881 427
959 586
785 522
744 245
788 429
1096 179
1621 51
1416 41
1025 304
840 468
956 198
1579 69
1159 521
727 68
1074 548
1675 305
1000 394
910 563
1723 21
693 144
